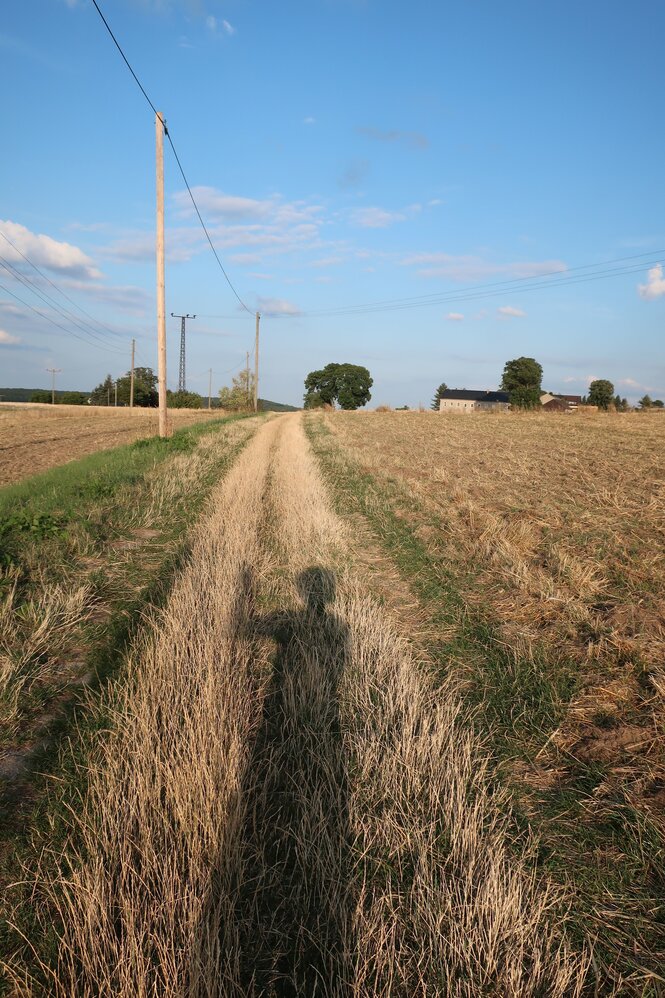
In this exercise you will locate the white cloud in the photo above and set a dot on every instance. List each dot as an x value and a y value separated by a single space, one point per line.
473 268
228 28
375 218
631 383
511 312
59 257
7 338
262 277
309 120
276 306
455 316
655 286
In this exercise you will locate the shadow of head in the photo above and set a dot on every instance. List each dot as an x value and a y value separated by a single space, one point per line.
317 588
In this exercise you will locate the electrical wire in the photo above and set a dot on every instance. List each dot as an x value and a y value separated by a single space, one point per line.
64 294
470 296
49 319
50 302
177 158
514 284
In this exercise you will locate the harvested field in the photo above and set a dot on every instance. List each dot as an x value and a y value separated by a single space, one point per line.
34 438
282 797
537 545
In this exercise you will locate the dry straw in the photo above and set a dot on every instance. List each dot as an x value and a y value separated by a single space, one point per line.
286 802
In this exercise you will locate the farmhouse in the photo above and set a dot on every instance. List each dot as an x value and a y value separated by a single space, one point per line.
560 403
471 400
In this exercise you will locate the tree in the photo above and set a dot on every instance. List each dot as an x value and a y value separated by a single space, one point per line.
347 384
658 404
241 393
72 398
645 402
146 393
313 400
103 394
522 379
601 393
621 405
443 387
183 400
41 396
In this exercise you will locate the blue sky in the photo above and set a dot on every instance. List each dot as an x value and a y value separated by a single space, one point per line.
342 152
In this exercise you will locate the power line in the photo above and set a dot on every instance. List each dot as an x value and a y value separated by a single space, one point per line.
52 321
80 308
51 303
117 45
485 286
177 158
481 292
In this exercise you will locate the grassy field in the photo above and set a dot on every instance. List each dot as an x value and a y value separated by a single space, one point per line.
34 438
318 702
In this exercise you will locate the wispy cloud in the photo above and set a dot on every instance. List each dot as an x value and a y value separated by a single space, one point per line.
655 286
276 306
375 218
216 26
7 339
309 120
466 267
455 316
413 140
510 312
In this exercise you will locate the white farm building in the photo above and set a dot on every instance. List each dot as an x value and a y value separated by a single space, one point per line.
471 400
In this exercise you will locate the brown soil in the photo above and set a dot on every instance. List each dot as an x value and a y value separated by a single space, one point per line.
36 438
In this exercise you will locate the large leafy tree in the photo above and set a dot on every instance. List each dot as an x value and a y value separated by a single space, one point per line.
645 402
601 393
145 388
347 384
443 387
522 379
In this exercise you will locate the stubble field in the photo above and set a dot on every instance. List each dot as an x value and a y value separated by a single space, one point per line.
391 725
34 438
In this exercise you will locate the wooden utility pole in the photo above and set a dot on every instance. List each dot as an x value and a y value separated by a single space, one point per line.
256 365
115 392
131 378
161 296
247 373
209 389
52 371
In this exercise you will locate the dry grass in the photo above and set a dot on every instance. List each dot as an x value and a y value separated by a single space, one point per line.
558 525
322 823
34 438
33 634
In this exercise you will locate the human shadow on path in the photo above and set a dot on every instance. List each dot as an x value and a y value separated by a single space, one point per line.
293 914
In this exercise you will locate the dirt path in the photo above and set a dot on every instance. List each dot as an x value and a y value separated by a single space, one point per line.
287 803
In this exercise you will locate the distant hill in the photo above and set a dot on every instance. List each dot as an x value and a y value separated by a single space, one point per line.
25 394
267 406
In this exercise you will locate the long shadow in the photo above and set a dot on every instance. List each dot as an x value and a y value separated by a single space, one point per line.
293 914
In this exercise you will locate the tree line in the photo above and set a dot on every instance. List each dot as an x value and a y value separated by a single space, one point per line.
523 381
